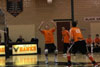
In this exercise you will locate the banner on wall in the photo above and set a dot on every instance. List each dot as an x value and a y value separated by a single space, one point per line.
2 49
24 49
15 7
92 19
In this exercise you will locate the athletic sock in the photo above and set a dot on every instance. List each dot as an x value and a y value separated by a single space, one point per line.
46 56
46 61
92 59
69 57
55 59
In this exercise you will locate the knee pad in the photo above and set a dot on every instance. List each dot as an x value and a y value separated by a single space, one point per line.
56 52
46 51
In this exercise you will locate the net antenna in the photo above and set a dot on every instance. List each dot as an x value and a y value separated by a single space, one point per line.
3 22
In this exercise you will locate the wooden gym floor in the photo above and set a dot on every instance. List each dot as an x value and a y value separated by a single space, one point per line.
39 61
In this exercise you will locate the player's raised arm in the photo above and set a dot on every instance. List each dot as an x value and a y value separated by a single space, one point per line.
54 24
68 34
40 27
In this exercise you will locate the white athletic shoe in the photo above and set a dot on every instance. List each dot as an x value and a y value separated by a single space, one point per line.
47 65
55 59
46 61
64 54
67 66
96 65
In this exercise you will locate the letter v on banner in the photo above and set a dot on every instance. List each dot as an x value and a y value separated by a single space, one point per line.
14 7
16 49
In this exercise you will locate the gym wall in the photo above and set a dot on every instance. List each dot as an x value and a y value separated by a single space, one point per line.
26 31
87 8
39 10
95 29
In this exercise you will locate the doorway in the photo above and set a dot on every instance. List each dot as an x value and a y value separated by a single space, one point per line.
59 34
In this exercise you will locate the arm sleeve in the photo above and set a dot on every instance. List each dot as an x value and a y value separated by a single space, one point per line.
42 31
86 40
68 34
94 40
71 33
62 33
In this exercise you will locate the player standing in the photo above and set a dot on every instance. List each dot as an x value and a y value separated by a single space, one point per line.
49 39
89 43
65 39
97 43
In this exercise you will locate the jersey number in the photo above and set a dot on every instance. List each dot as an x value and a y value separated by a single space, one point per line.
78 31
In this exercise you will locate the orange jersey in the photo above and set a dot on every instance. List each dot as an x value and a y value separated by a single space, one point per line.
89 41
66 36
97 40
48 34
76 34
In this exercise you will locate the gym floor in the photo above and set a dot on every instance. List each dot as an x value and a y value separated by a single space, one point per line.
39 61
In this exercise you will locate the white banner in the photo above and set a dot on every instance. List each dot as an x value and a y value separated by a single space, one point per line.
24 49
92 19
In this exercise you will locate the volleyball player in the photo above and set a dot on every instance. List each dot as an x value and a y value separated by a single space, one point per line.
49 39
89 43
79 44
65 39
97 43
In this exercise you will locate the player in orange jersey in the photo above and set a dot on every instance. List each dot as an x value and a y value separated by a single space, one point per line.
89 43
65 39
97 43
79 44
49 39
97 40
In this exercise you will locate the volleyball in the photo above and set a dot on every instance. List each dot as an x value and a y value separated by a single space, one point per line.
49 1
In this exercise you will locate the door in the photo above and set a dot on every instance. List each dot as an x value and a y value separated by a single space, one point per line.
59 34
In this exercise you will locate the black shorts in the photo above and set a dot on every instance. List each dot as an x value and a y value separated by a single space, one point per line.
89 49
66 46
51 47
79 46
